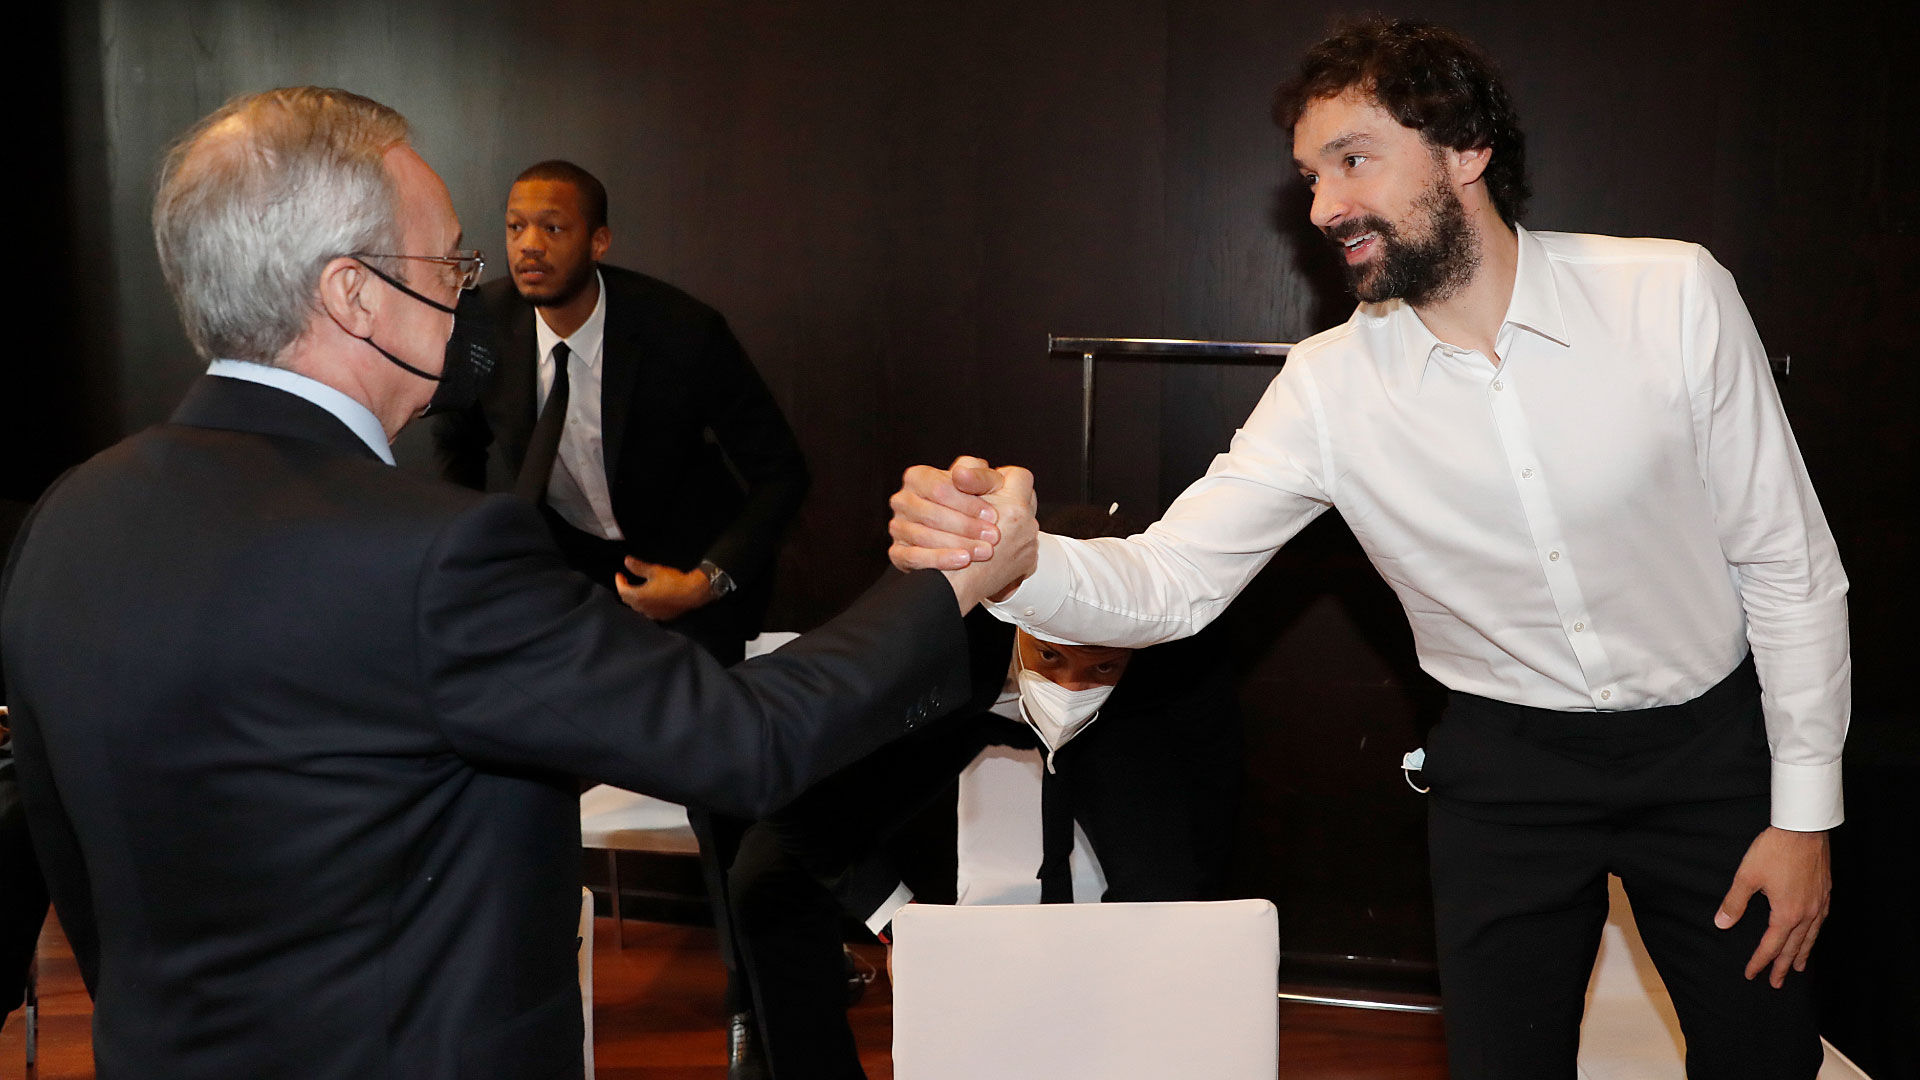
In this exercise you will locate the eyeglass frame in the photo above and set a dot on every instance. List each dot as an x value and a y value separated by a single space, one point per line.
468 278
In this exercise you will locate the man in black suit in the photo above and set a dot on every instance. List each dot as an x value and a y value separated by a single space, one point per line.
297 731
674 468
664 467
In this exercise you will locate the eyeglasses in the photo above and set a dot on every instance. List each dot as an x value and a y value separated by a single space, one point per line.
470 263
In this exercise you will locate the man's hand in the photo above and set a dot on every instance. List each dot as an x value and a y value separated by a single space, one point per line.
941 520
1791 869
662 593
1013 557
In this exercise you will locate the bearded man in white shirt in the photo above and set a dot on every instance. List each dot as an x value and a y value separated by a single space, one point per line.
1566 455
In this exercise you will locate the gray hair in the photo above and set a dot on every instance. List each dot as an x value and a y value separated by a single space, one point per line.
257 198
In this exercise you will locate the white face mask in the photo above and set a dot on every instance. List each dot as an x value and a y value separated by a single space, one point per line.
1057 713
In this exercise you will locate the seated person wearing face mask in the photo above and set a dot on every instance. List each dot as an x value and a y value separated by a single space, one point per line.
1084 774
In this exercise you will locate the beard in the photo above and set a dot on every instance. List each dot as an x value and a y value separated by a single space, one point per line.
1419 270
559 293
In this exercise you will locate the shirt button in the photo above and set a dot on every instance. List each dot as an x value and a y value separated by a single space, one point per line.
1029 613
1606 695
1579 626
1526 474
1553 556
1498 385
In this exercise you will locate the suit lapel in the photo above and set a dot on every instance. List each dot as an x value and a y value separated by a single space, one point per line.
519 384
621 354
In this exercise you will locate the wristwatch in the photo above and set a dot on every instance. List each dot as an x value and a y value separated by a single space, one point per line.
719 582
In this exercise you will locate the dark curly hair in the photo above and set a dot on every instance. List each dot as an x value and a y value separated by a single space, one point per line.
1428 78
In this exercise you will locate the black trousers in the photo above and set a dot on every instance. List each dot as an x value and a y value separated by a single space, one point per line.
1532 809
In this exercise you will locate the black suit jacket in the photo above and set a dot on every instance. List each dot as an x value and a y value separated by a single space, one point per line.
299 730
701 464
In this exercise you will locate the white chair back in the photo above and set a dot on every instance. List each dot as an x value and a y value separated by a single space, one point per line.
1093 991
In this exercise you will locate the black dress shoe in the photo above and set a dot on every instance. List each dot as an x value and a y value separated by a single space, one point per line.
745 1059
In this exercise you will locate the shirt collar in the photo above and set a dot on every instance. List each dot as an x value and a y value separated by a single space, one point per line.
1536 302
584 342
1534 306
358 418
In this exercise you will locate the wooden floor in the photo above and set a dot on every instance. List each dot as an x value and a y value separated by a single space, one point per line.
657 1016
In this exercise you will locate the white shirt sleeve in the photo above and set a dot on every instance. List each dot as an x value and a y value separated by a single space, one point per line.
882 915
1778 546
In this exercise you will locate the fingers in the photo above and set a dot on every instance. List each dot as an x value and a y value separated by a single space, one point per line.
937 526
923 523
914 557
973 476
1734 905
1790 947
1769 949
937 486
1806 943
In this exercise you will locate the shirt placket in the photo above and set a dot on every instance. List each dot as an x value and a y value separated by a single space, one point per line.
1550 541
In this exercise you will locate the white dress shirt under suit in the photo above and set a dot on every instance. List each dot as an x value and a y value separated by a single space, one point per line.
578 489
1608 520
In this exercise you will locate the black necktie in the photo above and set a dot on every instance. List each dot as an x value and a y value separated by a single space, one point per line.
1056 839
537 467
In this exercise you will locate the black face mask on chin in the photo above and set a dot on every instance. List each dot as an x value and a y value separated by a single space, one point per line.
472 350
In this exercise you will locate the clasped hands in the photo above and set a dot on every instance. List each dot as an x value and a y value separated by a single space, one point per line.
971 521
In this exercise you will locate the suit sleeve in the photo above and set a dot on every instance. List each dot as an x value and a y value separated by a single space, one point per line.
759 446
55 846
528 665
838 831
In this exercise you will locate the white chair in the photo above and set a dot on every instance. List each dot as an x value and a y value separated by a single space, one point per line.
1630 1031
1093 991
617 820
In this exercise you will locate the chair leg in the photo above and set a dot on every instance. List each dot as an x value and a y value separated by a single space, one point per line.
32 1010
613 878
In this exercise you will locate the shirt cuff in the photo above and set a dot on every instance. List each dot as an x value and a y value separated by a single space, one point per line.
1807 798
1041 596
883 914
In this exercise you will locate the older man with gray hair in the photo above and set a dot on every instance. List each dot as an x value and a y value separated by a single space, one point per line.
298 731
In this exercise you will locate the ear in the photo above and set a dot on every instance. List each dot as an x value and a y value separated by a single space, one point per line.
599 242
346 296
1466 166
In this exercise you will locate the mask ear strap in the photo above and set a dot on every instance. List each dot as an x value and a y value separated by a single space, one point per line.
394 360
368 338
375 271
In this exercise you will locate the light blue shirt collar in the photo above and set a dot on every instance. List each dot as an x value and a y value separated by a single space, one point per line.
358 418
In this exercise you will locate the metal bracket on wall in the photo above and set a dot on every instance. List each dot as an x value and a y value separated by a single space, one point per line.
1090 349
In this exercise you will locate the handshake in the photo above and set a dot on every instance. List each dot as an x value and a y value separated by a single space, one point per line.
973 522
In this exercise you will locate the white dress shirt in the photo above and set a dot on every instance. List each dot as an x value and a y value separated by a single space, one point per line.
1608 520
578 491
